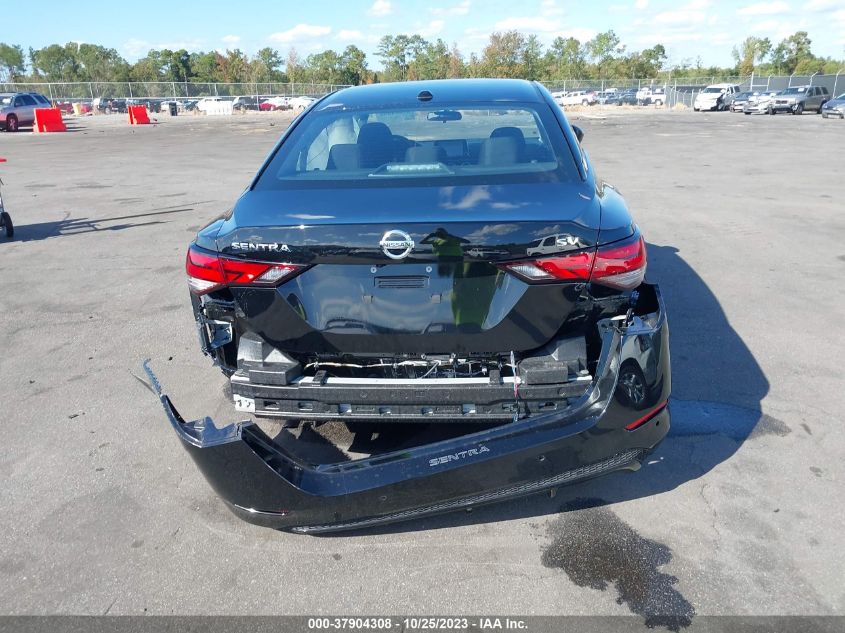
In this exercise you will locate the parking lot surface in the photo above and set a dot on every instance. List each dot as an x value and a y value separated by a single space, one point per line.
739 511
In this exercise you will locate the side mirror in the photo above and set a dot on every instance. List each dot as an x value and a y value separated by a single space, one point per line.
579 133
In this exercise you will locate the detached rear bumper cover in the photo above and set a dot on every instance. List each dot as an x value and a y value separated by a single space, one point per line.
265 485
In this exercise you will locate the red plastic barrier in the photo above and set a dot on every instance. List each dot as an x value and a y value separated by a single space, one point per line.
48 120
138 115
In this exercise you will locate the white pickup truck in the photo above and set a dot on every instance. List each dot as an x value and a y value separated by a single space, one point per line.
575 97
649 95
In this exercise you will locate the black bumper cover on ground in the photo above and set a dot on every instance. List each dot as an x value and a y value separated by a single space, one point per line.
265 485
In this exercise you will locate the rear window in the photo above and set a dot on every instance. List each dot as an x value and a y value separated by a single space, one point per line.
443 144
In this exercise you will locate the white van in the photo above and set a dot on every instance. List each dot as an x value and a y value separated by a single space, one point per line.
715 97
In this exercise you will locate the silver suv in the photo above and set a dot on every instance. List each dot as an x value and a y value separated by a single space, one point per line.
800 98
18 108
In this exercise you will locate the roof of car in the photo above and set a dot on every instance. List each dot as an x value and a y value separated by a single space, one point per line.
442 90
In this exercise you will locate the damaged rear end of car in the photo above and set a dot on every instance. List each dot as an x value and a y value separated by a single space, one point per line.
431 279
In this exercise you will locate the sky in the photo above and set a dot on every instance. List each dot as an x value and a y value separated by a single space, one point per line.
689 29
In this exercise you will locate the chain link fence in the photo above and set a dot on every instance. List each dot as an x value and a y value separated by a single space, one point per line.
679 90
89 90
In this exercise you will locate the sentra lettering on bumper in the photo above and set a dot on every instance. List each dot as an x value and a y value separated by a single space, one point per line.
264 484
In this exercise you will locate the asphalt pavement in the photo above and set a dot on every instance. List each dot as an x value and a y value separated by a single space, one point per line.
739 511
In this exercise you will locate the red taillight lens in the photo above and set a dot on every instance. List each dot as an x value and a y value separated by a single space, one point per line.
620 266
204 271
574 267
207 272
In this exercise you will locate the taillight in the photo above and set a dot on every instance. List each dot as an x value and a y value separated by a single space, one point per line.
208 271
572 267
620 265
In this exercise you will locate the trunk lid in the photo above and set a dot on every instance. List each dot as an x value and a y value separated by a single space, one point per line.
409 270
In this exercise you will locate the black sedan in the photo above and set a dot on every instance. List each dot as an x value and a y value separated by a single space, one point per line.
436 265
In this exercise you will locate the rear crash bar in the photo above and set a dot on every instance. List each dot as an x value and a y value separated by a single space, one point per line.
264 484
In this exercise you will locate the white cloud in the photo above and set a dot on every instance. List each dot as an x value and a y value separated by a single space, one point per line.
300 32
580 34
550 8
348 35
230 39
135 48
354 36
764 8
380 8
818 6
462 8
641 4
538 24
431 29
690 14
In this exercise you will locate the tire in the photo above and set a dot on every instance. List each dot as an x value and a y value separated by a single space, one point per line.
585 103
771 111
12 123
799 109
658 103
632 389
7 224
747 113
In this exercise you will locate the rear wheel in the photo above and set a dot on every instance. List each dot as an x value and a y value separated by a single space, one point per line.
6 221
11 123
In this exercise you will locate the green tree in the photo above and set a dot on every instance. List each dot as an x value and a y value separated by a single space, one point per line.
266 66
457 68
397 53
353 66
12 63
204 67
565 59
603 50
431 62
504 55
751 52
233 66
148 68
533 62
791 51
293 66
55 62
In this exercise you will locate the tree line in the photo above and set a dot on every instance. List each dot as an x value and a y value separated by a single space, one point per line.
407 57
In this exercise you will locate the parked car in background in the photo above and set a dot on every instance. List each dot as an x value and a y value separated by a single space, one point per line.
300 103
275 103
18 108
715 97
605 96
834 107
203 104
741 99
245 103
760 103
107 105
651 95
575 97
799 98
626 97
